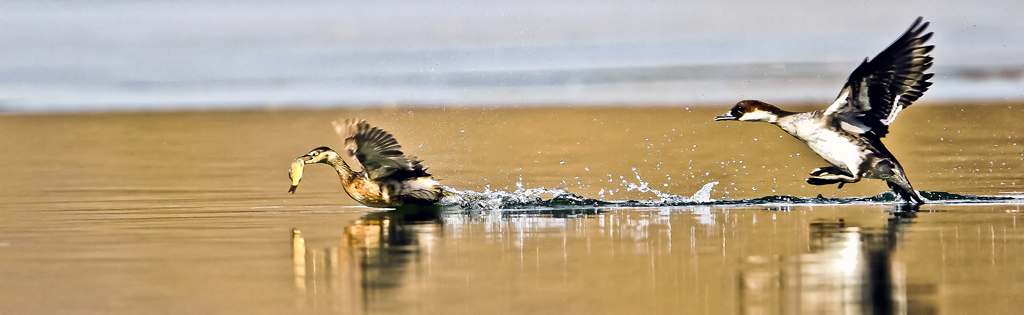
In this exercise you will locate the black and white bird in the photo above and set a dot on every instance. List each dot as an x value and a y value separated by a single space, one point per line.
848 133
386 177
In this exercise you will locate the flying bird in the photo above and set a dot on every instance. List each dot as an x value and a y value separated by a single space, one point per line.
848 134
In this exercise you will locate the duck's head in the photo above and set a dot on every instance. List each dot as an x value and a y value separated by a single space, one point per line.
752 110
318 155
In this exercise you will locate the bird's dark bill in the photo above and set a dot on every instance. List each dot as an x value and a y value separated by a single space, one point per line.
292 190
727 116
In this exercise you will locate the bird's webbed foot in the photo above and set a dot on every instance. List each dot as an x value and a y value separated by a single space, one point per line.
831 175
828 170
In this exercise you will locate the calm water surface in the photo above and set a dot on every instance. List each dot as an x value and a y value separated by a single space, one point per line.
188 213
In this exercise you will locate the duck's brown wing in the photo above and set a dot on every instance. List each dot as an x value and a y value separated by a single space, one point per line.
377 151
880 88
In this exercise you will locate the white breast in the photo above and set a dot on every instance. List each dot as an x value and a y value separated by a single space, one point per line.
829 144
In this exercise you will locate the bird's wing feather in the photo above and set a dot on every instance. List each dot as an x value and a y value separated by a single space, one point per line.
376 150
880 88
347 131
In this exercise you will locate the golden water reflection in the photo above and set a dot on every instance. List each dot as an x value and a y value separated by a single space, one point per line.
848 270
394 262
376 258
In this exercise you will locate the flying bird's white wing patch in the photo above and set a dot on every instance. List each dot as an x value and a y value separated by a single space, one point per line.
896 109
880 88
841 104
854 126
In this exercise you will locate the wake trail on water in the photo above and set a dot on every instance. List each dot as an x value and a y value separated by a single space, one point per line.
543 198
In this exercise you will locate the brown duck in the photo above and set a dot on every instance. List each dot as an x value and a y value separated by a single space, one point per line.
382 175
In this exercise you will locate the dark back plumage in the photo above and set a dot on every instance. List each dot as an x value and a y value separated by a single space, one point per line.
868 102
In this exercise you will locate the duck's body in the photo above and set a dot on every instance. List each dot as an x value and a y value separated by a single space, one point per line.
848 134
387 179
850 153
837 146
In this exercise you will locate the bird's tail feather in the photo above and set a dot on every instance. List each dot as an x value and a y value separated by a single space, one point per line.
901 186
892 172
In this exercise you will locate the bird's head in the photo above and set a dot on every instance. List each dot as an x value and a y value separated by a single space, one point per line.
752 110
318 155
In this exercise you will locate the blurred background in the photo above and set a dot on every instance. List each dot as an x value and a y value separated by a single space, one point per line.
128 55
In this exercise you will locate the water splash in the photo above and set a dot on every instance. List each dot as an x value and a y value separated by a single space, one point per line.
701 196
541 198
519 199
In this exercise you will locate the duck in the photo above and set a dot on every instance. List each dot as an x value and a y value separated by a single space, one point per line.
380 174
848 134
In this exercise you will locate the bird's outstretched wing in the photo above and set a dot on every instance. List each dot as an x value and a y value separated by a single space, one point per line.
377 152
880 88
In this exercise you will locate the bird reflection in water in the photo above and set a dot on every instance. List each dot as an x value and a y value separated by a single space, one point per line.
372 262
848 270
